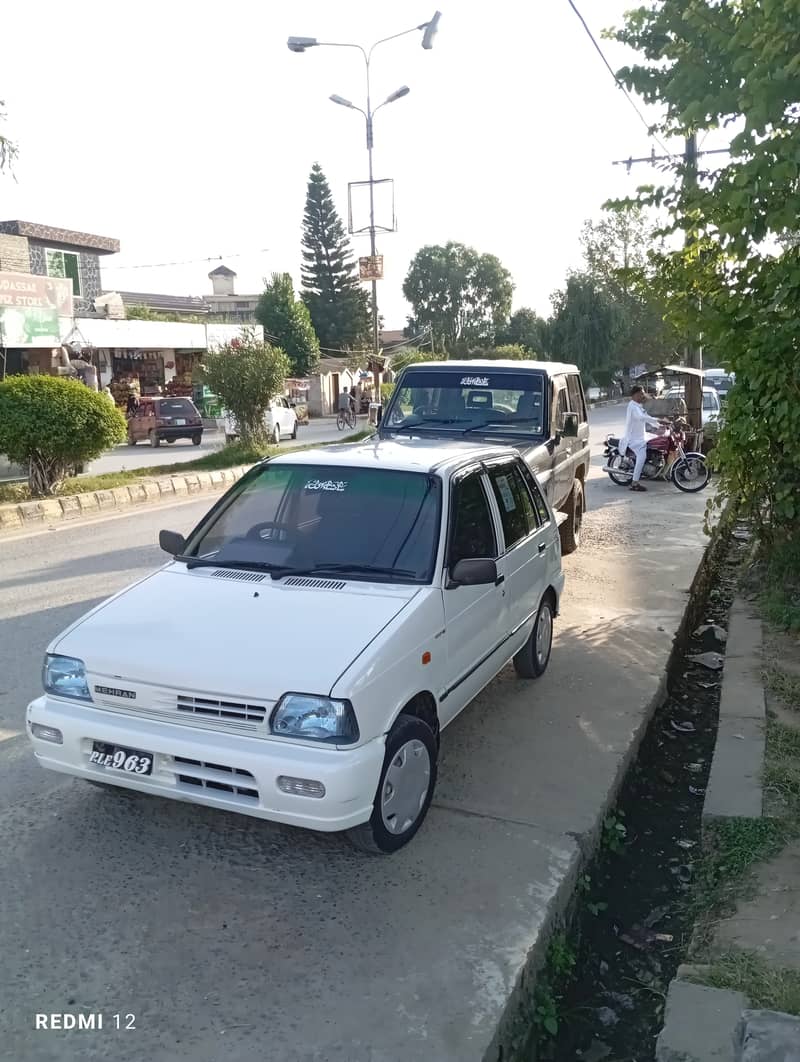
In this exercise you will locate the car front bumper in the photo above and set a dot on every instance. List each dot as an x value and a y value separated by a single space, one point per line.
228 771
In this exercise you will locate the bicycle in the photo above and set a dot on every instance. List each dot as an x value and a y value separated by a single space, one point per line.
346 418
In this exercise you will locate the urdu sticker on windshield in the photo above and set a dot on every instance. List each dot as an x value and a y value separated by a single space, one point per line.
475 381
326 484
506 494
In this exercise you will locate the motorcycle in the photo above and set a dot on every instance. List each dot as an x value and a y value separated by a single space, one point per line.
666 460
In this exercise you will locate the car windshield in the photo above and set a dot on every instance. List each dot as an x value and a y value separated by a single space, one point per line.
499 403
709 397
368 523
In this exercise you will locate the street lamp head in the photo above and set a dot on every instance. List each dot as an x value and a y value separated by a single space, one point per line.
299 44
430 30
398 94
340 100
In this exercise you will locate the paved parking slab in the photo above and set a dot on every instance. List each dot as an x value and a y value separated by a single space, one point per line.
235 939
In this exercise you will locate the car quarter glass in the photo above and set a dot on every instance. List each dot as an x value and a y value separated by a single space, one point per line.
517 513
472 532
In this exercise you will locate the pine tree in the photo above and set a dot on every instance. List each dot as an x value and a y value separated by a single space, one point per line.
286 320
338 306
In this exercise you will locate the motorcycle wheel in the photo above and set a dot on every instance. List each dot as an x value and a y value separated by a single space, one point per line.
691 473
622 479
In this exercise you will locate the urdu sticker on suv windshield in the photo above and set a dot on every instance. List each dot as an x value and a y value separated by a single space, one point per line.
326 484
474 381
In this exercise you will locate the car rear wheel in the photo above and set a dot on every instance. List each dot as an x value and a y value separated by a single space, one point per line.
570 530
294 431
131 440
196 440
170 441
405 789
155 441
276 434
532 659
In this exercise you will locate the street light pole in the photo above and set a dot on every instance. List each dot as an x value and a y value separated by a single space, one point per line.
301 44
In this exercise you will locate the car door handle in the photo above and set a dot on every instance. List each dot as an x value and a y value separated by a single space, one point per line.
499 580
542 547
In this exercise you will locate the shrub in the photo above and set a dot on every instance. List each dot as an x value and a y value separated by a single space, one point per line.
246 373
386 392
52 424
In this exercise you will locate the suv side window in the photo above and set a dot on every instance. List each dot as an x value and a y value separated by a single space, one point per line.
514 502
576 400
471 525
539 503
561 403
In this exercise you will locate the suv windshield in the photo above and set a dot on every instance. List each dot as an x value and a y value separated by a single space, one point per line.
499 403
366 523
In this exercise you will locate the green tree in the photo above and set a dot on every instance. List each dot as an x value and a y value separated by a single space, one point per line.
338 305
526 329
51 424
246 374
584 328
619 254
8 149
287 321
708 65
463 297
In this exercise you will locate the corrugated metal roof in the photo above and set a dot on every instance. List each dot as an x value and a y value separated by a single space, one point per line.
154 301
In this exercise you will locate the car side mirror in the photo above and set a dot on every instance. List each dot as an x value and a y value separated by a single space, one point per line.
569 425
473 571
171 542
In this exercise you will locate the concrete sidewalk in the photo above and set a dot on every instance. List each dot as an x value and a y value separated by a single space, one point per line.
235 939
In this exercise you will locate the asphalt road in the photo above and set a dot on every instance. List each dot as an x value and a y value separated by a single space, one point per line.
238 940
144 456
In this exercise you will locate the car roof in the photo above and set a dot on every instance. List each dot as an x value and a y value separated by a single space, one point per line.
552 368
681 390
409 455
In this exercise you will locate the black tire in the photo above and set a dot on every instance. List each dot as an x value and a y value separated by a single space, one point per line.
570 530
155 441
695 463
294 432
196 440
620 480
532 659
412 737
340 421
169 441
132 441
276 434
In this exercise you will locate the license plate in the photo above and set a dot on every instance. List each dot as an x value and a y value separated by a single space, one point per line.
180 423
116 758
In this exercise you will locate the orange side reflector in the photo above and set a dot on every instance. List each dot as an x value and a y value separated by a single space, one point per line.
426 658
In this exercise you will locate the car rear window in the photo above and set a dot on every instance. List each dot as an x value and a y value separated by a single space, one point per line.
479 400
176 407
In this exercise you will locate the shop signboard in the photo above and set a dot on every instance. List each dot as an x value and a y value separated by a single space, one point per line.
370 267
30 306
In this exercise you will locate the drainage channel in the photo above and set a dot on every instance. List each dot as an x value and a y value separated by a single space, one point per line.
633 924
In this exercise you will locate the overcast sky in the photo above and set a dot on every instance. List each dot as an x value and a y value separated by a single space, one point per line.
187 130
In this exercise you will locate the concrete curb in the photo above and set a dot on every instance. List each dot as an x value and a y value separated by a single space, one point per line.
734 786
31 515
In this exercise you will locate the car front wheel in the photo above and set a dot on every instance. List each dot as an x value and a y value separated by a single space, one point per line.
154 440
532 659
570 529
404 791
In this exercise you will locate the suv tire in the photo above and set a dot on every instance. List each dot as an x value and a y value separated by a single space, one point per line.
570 530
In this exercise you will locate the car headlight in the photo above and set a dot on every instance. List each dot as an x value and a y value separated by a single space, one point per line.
64 676
302 715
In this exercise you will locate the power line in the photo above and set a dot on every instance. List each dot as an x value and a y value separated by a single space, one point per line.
652 157
189 261
611 71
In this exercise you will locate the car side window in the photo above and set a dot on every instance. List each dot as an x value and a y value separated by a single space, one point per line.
539 503
576 396
561 404
514 502
472 528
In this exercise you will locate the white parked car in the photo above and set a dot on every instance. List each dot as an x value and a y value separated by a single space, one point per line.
280 422
711 402
299 656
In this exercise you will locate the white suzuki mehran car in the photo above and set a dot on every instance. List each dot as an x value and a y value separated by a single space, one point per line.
298 657
280 422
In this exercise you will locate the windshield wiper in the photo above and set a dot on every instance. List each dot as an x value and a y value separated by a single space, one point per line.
250 566
355 568
498 421
426 422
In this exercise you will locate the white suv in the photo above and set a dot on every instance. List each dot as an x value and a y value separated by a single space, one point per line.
339 608
280 422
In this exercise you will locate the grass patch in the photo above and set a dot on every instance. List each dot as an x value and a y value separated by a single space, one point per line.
747 972
226 457
780 598
787 687
782 767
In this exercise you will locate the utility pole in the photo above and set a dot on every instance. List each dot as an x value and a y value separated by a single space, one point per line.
693 352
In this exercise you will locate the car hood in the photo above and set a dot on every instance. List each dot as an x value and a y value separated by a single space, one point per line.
227 633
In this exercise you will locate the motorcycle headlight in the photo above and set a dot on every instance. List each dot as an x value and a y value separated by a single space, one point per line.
64 676
302 715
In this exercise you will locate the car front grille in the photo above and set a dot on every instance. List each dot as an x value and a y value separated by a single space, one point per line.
216 777
206 712
210 708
